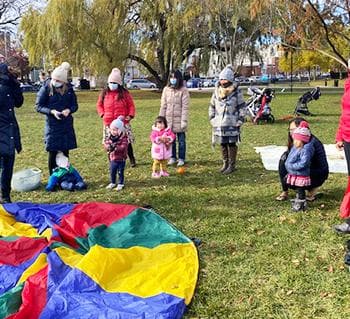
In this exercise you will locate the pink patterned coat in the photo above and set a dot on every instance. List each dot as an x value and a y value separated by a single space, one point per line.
161 150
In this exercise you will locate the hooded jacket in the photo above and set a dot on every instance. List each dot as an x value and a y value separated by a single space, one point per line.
343 133
10 97
161 150
174 107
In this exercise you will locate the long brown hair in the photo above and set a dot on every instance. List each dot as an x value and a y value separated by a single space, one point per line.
121 92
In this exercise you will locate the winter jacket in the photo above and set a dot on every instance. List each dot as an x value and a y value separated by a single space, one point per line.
59 134
299 160
109 107
161 150
117 147
227 115
10 97
174 107
343 133
70 176
319 164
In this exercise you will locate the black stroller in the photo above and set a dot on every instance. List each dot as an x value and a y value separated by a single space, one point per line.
258 105
301 107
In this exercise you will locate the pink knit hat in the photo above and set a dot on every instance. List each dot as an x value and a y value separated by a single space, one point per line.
302 132
115 76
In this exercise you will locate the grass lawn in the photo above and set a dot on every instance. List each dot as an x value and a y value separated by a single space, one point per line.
257 259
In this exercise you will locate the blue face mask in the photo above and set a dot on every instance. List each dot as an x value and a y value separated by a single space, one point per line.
173 81
113 86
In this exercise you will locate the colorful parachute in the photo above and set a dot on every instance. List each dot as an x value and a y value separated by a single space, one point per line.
92 260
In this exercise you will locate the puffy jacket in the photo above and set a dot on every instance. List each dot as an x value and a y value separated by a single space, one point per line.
299 160
319 164
161 150
10 97
117 147
343 133
227 115
174 107
109 107
59 134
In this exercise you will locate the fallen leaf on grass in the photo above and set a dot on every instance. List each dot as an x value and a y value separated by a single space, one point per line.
289 292
296 262
330 268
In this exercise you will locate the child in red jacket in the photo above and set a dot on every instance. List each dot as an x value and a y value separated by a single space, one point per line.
116 145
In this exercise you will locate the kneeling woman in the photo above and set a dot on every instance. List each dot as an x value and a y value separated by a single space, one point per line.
318 168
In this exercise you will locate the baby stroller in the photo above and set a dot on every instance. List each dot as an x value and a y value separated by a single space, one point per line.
301 107
258 105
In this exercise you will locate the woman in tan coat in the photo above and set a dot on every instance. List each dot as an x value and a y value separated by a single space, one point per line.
174 107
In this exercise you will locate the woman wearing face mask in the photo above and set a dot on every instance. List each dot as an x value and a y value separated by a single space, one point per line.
226 115
174 107
57 100
115 101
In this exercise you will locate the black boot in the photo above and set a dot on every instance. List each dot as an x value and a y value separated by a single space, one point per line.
131 156
224 152
299 205
232 155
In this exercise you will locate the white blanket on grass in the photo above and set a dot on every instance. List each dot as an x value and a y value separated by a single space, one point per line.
271 154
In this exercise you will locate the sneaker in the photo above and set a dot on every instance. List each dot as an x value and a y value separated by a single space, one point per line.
111 186
119 187
164 173
172 161
155 175
343 228
181 162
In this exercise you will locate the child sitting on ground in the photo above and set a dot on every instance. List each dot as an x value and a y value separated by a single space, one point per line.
116 145
298 165
162 137
65 176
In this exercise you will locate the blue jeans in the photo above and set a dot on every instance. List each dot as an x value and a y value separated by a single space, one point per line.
117 167
181 139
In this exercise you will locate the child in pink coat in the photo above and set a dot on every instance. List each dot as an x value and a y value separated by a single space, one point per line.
162 137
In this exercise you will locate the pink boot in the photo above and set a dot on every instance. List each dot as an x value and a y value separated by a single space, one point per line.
164 173
155 175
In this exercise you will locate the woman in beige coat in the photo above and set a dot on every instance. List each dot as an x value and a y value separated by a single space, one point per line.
174 107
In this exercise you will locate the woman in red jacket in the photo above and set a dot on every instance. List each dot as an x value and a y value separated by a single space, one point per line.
343 142
116 101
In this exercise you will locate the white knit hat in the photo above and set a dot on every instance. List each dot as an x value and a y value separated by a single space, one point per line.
61 72
62 160
118 123
115 76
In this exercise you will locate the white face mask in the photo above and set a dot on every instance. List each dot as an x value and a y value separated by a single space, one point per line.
56 84
113 86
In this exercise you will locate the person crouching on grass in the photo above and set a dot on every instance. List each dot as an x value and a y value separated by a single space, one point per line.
116 145
298 165
162 138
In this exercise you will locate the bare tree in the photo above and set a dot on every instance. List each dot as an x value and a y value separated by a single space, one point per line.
12 10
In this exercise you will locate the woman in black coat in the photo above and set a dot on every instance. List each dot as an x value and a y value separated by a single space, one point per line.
319 166
57 100
10 141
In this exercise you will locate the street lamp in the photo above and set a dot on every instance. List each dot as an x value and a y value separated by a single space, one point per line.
291 71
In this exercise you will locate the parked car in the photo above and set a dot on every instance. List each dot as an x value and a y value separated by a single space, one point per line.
208 82
254 78
193 83
28 88
140 84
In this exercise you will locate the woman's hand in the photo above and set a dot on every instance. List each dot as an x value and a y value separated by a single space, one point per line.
66 112
56 114
339 145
